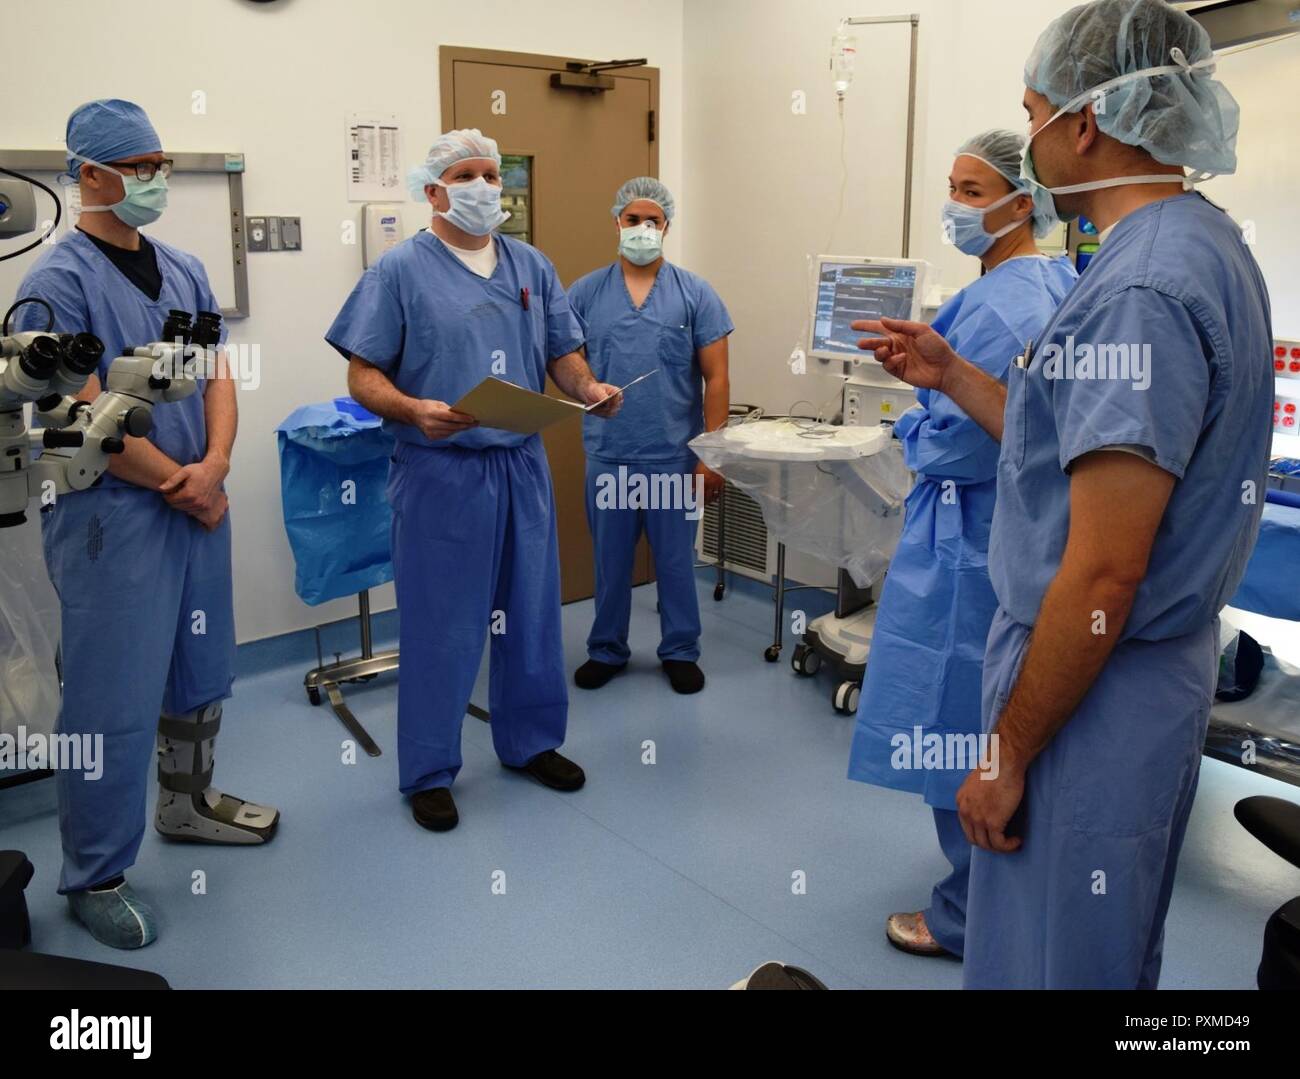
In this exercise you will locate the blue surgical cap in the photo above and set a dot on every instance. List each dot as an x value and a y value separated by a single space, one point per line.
107 130
1184 117
446 150
644 187
1002 150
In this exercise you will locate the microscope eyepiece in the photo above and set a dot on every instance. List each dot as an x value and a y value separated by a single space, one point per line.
83 352
177 326
207 329
40 359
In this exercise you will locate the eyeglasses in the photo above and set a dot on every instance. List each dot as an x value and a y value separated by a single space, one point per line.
145 170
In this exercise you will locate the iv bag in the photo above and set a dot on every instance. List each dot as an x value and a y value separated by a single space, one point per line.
844 53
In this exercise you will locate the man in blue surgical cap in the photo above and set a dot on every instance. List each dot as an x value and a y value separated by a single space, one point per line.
141 561
643 314
1134 435
475 548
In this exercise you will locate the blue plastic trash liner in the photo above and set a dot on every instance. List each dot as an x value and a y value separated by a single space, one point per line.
333 475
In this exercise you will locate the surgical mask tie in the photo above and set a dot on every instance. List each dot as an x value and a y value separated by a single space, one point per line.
1180 66
963 225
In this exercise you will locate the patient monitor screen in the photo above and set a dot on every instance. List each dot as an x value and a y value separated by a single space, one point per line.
848 291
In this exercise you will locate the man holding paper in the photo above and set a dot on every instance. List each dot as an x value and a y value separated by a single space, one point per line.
474 542
644 314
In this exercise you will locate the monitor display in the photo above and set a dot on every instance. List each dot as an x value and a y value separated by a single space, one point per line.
848 291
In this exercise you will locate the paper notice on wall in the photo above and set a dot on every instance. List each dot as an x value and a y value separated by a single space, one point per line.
374 150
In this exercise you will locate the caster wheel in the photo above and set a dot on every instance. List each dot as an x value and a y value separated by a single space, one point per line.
313 695
718 592
845 698
772 653
805 661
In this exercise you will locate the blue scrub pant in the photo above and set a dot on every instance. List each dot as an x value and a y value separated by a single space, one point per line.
946 916
148 627
615 531
1082 903
475 554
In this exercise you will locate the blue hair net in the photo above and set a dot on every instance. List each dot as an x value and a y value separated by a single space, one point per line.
644 187
107 130
1181 117
446 150
1001 150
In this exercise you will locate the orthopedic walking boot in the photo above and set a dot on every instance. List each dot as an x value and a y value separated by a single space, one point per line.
189 807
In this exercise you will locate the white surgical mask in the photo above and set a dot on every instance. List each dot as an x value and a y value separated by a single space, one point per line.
1043 194
475 206
640 244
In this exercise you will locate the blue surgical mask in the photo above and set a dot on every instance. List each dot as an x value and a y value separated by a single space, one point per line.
143 201
475 206
640 244
963 225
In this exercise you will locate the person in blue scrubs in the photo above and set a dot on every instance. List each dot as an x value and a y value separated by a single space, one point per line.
927 648
1135 436
142 560
643 314
475 553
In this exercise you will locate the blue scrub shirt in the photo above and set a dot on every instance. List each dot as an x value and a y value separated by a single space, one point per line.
89 293
1174 282
437 329
681 315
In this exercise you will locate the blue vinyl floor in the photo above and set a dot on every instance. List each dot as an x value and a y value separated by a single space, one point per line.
676 873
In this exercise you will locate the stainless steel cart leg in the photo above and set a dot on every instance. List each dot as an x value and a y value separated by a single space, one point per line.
363 668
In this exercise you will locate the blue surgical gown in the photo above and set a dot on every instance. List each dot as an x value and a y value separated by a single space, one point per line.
927 649
475 549
130 571
1082 903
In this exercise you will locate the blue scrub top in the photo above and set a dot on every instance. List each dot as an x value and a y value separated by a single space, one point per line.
90 294
681 315
1174 282
437 329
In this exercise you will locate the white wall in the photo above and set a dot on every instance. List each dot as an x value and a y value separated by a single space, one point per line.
279 79
762 183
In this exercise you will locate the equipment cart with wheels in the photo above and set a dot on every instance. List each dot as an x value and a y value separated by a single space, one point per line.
836 493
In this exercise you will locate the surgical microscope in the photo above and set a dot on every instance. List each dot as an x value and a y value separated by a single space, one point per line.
76 438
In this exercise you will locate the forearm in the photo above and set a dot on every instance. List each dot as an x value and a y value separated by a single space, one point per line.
977 393
571 374
717 400
221 413
143 464
375 390
1078 626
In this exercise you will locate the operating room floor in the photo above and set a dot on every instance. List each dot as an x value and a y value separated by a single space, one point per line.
678 873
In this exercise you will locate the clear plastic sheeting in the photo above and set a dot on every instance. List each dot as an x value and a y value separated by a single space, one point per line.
29 633
834 492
